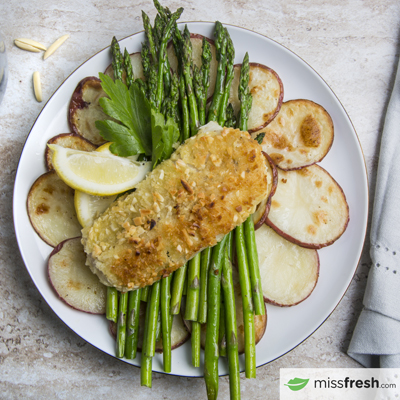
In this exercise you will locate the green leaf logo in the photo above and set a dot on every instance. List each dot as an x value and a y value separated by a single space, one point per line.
297 384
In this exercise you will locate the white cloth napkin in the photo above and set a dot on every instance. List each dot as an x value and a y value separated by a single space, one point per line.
376 337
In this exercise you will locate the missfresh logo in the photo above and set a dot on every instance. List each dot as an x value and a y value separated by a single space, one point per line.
339 383
297 384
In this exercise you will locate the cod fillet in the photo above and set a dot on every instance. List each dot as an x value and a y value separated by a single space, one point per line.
211 184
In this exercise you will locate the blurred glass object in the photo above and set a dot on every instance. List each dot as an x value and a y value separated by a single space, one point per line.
3 67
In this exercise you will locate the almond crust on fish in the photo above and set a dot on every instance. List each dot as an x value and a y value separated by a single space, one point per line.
211 184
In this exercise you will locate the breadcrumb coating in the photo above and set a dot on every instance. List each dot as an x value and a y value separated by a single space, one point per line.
210 185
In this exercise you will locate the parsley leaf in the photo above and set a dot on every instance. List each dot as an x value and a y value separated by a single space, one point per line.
131 134
164 135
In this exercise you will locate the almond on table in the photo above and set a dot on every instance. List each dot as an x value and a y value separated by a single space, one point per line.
55 46
29 45
37 86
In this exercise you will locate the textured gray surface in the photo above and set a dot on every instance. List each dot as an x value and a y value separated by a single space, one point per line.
353 45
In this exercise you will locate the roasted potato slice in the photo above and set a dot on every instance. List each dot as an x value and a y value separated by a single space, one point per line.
51 210
70 140
73 281
300 135
289 272
85 110
309 207
197 48
267 91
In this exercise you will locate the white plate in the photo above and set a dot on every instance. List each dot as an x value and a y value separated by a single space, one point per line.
287 327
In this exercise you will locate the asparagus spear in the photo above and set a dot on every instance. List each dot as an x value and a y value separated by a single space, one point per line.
223 326
165 321
150 37
222 329
193 289
230 116
211 352
243 268
177 289
195 342
132 325
230 50
145 293
206 57
128 69
112 304
185 124
231 327
204 267
220 45
152 86
201 80
162 54
192 306
187 69
255 276
117 59
121 324
248 310
158 30
244 94
147 362
170 104
146 63
153 303
159 25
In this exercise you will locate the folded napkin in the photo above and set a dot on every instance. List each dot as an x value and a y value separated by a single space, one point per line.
376 337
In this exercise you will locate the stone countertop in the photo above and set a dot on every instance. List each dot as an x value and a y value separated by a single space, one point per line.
353 45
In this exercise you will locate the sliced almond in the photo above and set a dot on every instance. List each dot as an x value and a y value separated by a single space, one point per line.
27 44
55 46
37 86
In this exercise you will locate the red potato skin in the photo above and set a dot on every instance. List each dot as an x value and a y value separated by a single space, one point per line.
54 251
272 302
77 102
273 190
315 246
61 135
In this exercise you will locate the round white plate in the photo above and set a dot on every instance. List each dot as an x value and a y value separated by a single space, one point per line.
287 327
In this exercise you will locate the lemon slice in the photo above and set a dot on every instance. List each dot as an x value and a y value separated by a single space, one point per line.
97 173
89 207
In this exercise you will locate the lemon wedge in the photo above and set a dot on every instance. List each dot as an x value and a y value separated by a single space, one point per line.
97 173
89 207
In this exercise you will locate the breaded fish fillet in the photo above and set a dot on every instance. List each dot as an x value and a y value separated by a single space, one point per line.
211 184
